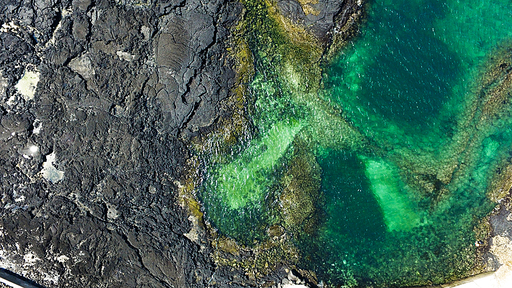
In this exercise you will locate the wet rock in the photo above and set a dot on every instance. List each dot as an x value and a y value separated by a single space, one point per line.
320 16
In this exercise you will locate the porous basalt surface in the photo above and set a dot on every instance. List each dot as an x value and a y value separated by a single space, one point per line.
119 84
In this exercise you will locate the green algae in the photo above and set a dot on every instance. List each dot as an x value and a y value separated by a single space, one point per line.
247 179
409 125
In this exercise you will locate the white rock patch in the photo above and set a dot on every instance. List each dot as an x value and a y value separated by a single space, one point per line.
6 27
30 151
3 85
146 31
28 84
112 212
126 56
19 199
49 171
30 259
62 258
193 234
37 126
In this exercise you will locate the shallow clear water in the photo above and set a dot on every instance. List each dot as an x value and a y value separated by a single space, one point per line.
404 84
405 166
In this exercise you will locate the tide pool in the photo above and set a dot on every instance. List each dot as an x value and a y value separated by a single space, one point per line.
410 133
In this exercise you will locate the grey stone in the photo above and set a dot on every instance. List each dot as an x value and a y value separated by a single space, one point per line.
327 14
82 65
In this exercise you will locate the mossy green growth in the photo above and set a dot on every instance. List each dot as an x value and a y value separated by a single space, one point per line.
284 50
285 57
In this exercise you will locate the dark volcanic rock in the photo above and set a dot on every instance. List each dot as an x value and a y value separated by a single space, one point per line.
320 16
89 164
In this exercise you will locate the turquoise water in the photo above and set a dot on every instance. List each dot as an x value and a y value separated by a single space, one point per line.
407 135
354 212
398 78
405 84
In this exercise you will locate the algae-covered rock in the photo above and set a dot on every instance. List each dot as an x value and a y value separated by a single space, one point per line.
301 193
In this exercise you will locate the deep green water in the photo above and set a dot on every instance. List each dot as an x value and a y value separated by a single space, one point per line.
403 190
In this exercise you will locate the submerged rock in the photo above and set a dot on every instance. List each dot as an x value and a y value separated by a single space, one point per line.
300 196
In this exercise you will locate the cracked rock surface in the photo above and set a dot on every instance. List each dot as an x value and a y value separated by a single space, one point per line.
88 165
89 161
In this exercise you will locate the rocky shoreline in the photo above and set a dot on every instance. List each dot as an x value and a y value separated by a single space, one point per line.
99 101
103 109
